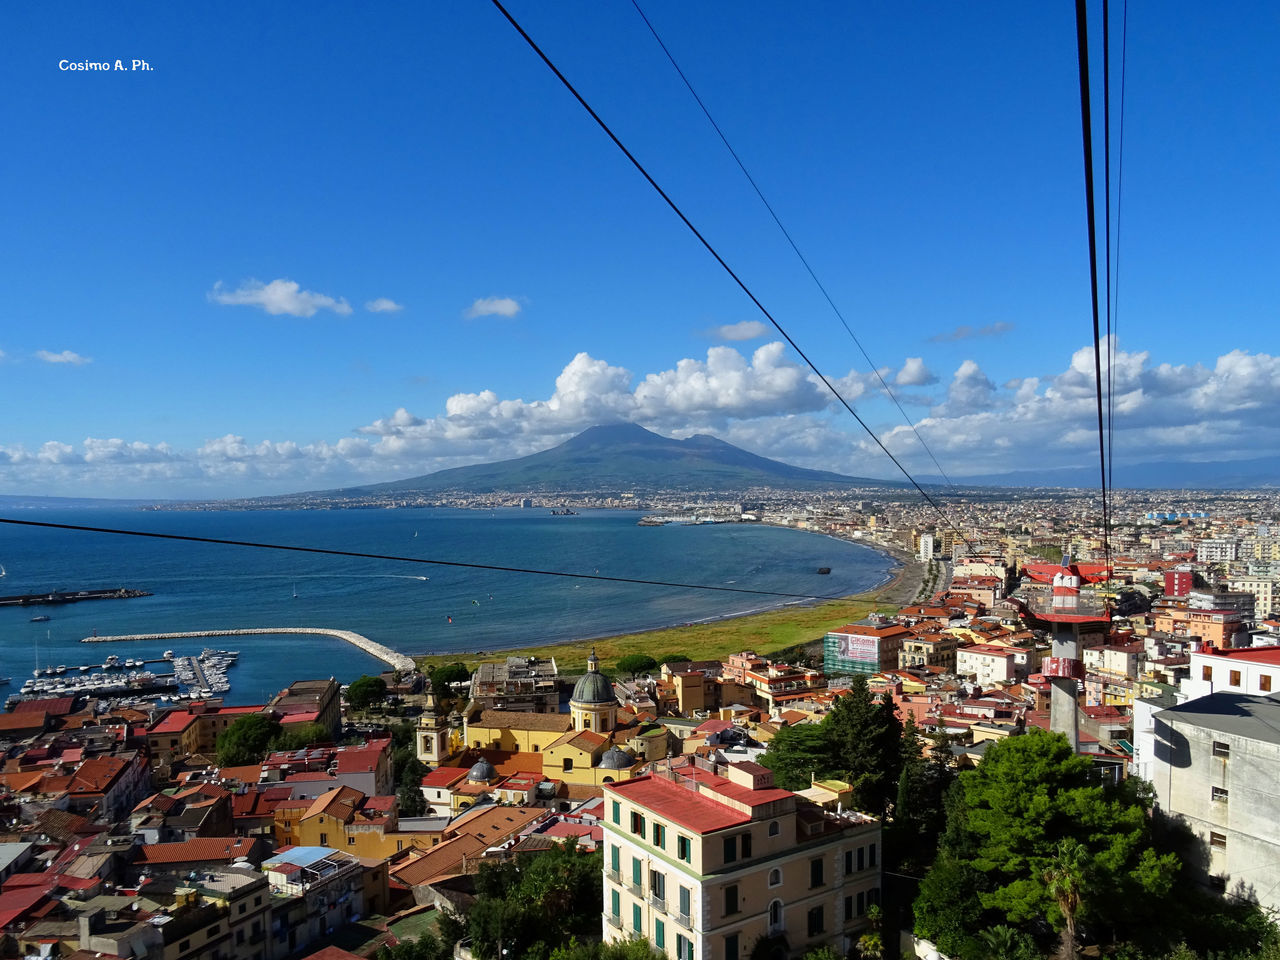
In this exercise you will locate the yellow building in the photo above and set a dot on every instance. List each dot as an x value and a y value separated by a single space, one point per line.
706 860
345 819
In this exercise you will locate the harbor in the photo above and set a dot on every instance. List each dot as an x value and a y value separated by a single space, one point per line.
70 596
197 677
397 661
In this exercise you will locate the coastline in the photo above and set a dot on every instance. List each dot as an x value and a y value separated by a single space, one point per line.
763 630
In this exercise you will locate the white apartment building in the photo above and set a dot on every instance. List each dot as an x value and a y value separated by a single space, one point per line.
1233 669
704 860
1213 763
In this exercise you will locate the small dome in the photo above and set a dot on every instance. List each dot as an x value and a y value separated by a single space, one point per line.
482 772
593 688
615 758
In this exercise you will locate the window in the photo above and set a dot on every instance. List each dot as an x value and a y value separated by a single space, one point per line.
659 835
731 947
637 918
848 861
684 901
731 899
659 934
861 856
615 902
637 873
239 937
774 828
775 877
1218 793
184 945
1221 749
257 901
1235 678
1218 840
243 907
775 916
815 872
617 812
615 858
568 764
815 921
684 849
324 839
657 886
862 903
848 909
399 845
637 824
586 723
351 841
1264 683
1206 674
215 930
871 855
746 845
684 948
730 849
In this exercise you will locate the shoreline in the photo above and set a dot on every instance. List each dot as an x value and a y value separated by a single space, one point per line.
764 630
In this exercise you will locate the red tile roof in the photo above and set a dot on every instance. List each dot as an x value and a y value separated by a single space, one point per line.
199 849
678 804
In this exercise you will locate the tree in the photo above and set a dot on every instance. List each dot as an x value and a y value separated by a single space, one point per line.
636 663
796 754
298 736
247 739
1065 881
674 658
443 677
866 738
409 800
1001 859
366 691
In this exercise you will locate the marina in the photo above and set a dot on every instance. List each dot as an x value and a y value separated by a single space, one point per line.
397 661
197 677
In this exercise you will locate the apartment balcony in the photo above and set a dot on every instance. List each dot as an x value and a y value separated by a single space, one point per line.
636 889
684 921
613 919
658 903
614 875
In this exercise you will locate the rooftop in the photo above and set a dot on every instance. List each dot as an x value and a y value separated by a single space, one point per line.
1240 714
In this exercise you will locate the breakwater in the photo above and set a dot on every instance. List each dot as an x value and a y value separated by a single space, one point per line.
397 661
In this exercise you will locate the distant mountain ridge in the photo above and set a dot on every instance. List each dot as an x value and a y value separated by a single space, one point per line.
624 456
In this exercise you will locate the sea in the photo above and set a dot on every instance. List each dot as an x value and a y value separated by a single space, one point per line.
439 600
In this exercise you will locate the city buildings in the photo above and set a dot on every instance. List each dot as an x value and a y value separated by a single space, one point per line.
704 860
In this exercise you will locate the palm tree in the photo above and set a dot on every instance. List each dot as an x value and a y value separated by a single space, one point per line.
1064 881
999 941
871 946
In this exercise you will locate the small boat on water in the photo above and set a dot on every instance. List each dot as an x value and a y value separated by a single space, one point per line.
43 618
5 681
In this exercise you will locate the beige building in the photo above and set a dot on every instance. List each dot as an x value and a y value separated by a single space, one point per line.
704 860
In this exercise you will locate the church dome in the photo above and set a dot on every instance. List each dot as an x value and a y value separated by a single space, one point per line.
482 772
593 687
616 758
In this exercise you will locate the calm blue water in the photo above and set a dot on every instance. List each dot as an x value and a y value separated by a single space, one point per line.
205 586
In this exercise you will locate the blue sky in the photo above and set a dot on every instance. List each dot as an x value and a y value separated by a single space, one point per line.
192 250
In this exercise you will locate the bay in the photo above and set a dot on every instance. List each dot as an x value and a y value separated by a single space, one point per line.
454 609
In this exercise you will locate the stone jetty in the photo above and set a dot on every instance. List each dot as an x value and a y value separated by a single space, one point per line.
398 661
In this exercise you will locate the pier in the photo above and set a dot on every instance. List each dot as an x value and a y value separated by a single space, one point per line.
397 661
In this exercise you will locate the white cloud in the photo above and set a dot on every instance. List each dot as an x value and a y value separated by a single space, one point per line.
383 305
915 374
277 297
66 356
1220 410
492 307
746 330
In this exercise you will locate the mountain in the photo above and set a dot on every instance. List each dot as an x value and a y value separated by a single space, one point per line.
624 457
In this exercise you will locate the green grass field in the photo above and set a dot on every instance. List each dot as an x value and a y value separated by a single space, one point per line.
765 633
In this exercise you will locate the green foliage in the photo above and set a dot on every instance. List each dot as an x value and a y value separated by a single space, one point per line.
674 658
822 953
635 948
426 947
409 800
298 736
366 691
636 663
1034 841
441 677
535 902
797 752
247 739
859 741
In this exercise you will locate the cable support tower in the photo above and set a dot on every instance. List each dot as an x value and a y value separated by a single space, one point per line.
675 208
791 241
